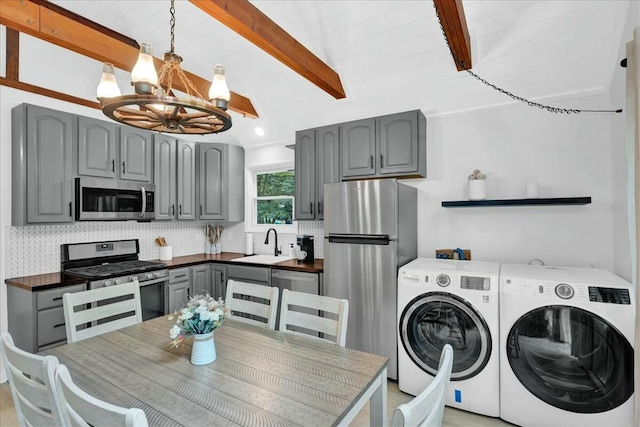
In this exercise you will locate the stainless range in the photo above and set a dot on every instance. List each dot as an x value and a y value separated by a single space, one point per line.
115 262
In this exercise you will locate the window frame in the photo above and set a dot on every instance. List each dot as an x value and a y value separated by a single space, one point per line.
251 199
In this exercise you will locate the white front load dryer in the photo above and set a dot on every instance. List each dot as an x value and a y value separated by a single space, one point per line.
566 347
450 302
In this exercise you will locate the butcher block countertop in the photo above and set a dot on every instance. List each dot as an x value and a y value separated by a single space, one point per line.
41 282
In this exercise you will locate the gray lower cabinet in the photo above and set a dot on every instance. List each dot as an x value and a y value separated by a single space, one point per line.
36 319
250 274
387 146
164 176
174 178
178 289
220 181
201 279
42 179
218 281
97 147
317 163
136 146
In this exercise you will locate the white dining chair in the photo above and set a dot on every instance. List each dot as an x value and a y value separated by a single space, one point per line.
427 408
315 314
31 379
241 299
79 408
101 305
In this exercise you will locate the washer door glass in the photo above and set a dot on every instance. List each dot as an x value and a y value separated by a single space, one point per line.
571 359
434 319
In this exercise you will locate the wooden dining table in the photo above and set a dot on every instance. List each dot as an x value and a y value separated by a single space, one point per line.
261 377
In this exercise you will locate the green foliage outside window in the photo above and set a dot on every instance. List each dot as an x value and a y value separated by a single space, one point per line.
270 210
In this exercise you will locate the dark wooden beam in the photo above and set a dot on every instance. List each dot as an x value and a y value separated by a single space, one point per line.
47 92
454 24
76 35
248 21
13 54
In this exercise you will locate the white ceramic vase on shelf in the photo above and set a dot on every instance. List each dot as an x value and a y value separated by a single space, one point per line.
203 350
477 189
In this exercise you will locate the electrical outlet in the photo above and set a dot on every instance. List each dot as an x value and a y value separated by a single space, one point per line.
594 263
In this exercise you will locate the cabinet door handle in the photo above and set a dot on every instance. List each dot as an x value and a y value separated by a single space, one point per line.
113 165
200 210
123 167
173 209
70 209
311 207
58 325
57 299
180 275
319 207
381 161
372 161
221 277
180 209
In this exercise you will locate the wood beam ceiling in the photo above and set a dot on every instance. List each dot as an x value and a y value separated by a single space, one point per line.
56 25
454 25
248 21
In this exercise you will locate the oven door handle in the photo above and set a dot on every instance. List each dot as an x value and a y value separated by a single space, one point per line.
144 201
153 281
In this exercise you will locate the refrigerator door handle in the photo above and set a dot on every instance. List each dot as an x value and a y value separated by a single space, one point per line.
364 239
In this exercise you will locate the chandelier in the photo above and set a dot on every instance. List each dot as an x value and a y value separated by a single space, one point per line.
154 107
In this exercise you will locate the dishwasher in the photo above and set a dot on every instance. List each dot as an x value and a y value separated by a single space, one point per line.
310 283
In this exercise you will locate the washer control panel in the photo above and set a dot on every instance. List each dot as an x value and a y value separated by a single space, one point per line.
609 295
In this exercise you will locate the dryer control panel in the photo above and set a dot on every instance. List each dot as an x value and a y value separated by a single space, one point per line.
609 295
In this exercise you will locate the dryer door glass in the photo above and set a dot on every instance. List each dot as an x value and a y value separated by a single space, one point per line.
437 318
571 359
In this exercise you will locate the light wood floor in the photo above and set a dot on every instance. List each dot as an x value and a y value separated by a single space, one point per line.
452 417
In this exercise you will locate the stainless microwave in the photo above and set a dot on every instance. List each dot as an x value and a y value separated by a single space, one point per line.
112 200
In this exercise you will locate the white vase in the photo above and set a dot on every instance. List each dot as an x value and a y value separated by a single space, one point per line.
477 189
203 350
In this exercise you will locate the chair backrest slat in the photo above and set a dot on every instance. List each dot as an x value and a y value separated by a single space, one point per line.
241 299
94 306
427 408
292 317
81 409
32 383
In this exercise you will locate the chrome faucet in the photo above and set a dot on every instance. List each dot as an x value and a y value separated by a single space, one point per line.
276 251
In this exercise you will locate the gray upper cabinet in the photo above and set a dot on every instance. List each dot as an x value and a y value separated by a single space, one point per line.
97 147
358 148
135 154
174 178
327 162
393 145
186 180
220 182
42 180
305 176
164 176
317 163
399 141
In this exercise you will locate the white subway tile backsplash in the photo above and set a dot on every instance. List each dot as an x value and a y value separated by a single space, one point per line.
36 249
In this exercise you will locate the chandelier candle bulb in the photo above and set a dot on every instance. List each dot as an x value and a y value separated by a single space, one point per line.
219 92
143 76
108 86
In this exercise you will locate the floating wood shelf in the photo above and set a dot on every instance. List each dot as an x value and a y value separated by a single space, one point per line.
518 202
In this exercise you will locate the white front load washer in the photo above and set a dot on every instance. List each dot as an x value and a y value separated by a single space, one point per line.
566 347
450 302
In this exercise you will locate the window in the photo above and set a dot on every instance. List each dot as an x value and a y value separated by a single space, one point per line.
274 201
270 199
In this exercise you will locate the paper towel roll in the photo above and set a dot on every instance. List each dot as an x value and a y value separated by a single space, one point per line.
248 248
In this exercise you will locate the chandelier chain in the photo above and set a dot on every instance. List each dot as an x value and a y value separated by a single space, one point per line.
172 10
461 64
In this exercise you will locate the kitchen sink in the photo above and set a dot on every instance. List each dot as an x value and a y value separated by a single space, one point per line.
263 259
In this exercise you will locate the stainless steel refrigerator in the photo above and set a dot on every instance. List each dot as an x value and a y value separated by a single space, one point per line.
370 231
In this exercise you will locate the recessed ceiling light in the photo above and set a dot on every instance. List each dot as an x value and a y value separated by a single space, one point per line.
259 131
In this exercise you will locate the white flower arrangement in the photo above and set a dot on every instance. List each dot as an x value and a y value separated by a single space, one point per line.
203 314
477 175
